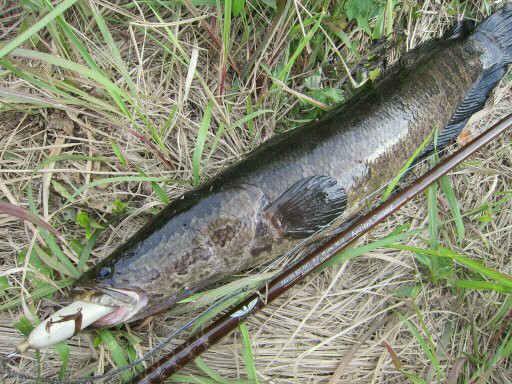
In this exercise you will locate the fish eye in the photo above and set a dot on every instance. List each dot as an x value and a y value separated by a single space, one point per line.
105 272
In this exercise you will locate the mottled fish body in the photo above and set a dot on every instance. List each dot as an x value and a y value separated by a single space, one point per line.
297 183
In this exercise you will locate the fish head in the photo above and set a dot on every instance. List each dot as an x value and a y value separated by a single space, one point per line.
98 286
189 245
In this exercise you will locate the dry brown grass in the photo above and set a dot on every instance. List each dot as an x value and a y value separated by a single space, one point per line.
305 335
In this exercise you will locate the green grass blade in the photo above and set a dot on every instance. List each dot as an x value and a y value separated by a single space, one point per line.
211 295
250 123
505 349
421 341
61 190
504 310
79 69
249 119
433 227
77 44
201 139
431 344
63 350
51 262
208 371
414 378
117 352
473 265
49 239
389 17
53 159
120 179
36 27
250 367
118 153
447 189
37 294
116 55
238 7
212 313
86 251
227 27
183 57
480 285
283 74
478 267
403 171
363 249
159 191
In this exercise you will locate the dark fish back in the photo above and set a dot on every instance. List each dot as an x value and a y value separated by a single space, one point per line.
364 143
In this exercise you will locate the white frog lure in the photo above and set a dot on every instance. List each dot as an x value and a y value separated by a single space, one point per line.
64 323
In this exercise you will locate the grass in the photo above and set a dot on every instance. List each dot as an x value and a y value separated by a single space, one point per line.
160 95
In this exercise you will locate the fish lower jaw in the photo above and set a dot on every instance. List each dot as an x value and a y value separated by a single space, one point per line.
124 303
118 316
123 314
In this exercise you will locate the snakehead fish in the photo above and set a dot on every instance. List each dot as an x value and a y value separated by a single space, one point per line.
297 183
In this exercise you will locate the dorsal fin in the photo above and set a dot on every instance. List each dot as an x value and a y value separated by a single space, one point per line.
460 30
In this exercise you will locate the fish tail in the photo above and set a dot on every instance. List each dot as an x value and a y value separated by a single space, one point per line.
498 27
495 33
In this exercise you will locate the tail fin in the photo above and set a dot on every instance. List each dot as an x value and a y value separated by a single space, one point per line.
497 28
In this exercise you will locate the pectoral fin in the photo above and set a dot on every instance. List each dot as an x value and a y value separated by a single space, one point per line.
308 206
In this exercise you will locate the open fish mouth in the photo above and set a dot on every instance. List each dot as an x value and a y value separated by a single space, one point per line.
127 303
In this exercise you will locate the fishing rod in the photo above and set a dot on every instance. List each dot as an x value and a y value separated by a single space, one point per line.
200 342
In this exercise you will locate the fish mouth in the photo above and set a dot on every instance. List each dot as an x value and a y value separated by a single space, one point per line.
127 303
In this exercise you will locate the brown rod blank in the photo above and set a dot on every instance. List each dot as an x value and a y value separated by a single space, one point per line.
201 341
